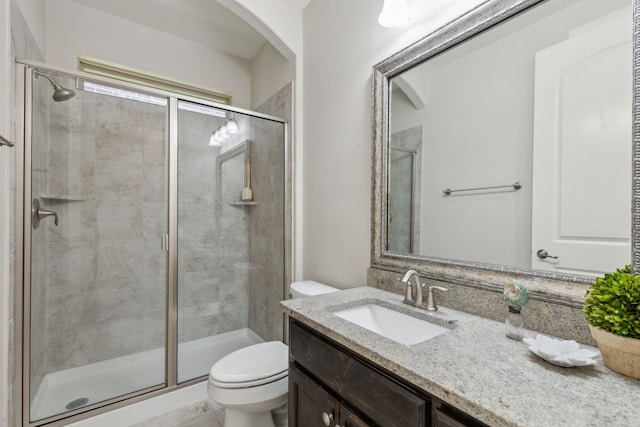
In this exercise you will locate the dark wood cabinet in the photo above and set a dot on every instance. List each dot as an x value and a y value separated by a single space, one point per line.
313 406
309 404
331 386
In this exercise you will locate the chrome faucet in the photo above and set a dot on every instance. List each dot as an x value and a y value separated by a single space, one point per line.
415 299
409 297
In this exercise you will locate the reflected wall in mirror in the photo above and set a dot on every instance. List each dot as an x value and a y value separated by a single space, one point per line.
543 98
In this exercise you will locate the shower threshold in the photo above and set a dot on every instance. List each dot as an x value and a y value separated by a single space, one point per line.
100 381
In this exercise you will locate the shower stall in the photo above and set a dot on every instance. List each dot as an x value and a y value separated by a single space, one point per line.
154 240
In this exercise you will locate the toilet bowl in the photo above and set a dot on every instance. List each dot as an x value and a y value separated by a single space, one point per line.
253 381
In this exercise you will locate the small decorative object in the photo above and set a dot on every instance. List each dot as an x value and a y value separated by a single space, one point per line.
612 309
564 353
515 295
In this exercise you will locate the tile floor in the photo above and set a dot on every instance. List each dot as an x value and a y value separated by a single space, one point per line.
201 414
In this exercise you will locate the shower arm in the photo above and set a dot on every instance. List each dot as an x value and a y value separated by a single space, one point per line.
53 83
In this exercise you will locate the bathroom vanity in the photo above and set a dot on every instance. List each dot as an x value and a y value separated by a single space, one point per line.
330 385
342 374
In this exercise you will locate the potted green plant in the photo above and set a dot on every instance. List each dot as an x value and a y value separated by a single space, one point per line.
612 308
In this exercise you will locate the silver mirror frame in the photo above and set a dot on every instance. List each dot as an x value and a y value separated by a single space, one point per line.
548 285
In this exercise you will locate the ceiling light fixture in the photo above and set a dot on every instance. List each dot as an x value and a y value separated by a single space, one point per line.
224 133
395 13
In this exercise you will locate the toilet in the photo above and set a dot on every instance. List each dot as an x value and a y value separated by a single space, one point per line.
253 381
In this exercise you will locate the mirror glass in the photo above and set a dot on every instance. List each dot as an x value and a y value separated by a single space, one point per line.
513 148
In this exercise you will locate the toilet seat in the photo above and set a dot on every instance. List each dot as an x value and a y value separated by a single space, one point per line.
251 366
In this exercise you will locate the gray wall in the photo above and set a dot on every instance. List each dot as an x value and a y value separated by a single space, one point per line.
270 219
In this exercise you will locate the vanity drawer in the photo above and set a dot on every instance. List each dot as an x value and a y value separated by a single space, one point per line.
380 398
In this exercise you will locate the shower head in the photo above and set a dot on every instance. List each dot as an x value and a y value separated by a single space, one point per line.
59 93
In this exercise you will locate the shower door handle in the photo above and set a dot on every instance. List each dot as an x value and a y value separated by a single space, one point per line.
38 213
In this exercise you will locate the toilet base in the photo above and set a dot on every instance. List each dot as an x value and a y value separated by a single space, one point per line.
236 418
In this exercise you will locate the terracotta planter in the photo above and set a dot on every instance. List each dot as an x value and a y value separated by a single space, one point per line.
620 354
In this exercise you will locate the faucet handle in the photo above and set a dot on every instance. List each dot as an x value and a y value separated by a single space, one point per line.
431 302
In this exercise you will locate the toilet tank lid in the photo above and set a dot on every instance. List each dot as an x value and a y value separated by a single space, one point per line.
307 288
252 363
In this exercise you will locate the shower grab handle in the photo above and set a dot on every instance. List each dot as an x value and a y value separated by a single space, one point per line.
38 214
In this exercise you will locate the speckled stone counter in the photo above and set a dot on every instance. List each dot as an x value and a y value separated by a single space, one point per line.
475 368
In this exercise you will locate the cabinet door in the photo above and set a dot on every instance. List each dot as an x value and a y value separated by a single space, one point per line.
310 405
381 399
453 418
350 419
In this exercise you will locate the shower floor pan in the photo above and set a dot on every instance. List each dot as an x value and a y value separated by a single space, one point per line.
107 379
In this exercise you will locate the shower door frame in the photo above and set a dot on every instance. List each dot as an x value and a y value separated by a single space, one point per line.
24 91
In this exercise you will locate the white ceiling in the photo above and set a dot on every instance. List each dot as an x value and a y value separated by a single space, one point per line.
201 21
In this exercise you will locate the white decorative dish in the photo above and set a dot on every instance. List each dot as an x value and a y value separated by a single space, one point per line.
566 353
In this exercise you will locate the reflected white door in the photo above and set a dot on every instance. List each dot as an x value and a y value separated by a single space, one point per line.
582 150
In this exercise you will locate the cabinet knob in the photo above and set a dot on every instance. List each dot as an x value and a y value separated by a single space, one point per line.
327 418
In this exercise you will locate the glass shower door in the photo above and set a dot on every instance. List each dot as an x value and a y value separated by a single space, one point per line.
98 277
231 187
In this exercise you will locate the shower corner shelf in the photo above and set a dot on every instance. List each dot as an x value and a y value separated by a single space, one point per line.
63 197
243 203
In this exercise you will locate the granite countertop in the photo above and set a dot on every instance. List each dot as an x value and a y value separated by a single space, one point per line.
477 369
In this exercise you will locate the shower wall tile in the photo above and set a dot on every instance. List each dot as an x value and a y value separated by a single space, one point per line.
71 150
69 308
119 220
154 259
116 337
75 145
234 306
115 299
77 220
76 116
233 220
67 178
69 348
200 320
154 219
154 142
111 109
270 220
154 329
197 185
116 141
196 219
198 286
118 180
193 135
153 292
118 259
154 183
207 253
212 236
71 262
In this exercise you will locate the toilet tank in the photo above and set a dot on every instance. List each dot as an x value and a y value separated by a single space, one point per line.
307 288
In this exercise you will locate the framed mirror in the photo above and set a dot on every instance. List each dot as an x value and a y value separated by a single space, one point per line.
504 145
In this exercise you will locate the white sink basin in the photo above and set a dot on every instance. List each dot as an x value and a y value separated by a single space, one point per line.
397 326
